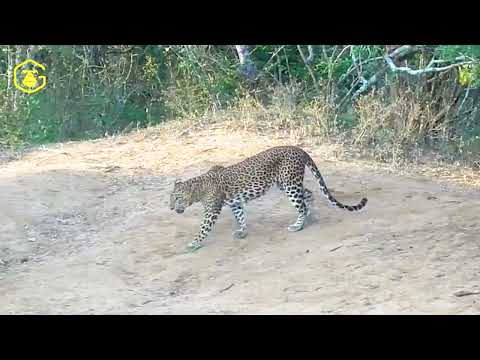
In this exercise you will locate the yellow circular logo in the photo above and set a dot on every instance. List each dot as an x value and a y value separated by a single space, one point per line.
29 80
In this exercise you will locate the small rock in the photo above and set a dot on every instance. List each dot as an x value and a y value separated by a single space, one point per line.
24 260
307 251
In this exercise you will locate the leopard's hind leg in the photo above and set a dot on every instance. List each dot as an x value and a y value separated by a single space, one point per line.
296 193
308 198
290 178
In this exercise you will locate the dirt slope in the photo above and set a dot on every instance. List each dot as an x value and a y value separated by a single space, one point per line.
85 228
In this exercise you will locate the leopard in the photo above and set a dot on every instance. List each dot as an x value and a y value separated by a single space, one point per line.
235 185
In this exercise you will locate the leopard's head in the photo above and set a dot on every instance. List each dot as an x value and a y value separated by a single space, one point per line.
181 197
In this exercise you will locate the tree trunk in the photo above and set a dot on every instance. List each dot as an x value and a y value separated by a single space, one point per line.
10 65
395 88
18 59
247 67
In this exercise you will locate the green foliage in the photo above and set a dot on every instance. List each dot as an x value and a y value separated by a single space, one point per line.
10 132
200 77
449 52
42 123
96 90
469 75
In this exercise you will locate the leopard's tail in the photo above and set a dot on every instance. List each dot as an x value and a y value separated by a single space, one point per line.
313 168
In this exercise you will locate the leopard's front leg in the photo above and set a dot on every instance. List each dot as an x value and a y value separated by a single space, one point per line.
213 207
239 215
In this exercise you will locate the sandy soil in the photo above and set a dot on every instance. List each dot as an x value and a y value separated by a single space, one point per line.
85 229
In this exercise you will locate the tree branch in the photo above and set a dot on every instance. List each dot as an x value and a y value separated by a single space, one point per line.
309 68
400 54
429 69
311 54
404 51
367 84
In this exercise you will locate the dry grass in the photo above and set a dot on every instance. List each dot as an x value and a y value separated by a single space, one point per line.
257 127
151 150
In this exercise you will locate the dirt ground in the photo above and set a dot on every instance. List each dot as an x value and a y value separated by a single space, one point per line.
85 228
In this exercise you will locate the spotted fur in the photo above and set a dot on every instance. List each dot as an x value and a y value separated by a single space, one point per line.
235 185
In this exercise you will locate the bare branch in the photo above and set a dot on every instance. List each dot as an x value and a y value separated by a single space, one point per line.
464 99
340 104
309 68
366 84
119 51
403 52
273 55
400 54
341 53
429 69
359 65
311 54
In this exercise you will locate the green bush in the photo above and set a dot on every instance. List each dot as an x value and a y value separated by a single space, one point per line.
94 90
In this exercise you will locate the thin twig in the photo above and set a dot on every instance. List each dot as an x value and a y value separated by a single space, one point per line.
464 99
309 68
466 293
227 288
336 248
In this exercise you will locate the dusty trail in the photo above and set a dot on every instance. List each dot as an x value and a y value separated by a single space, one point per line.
85 228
